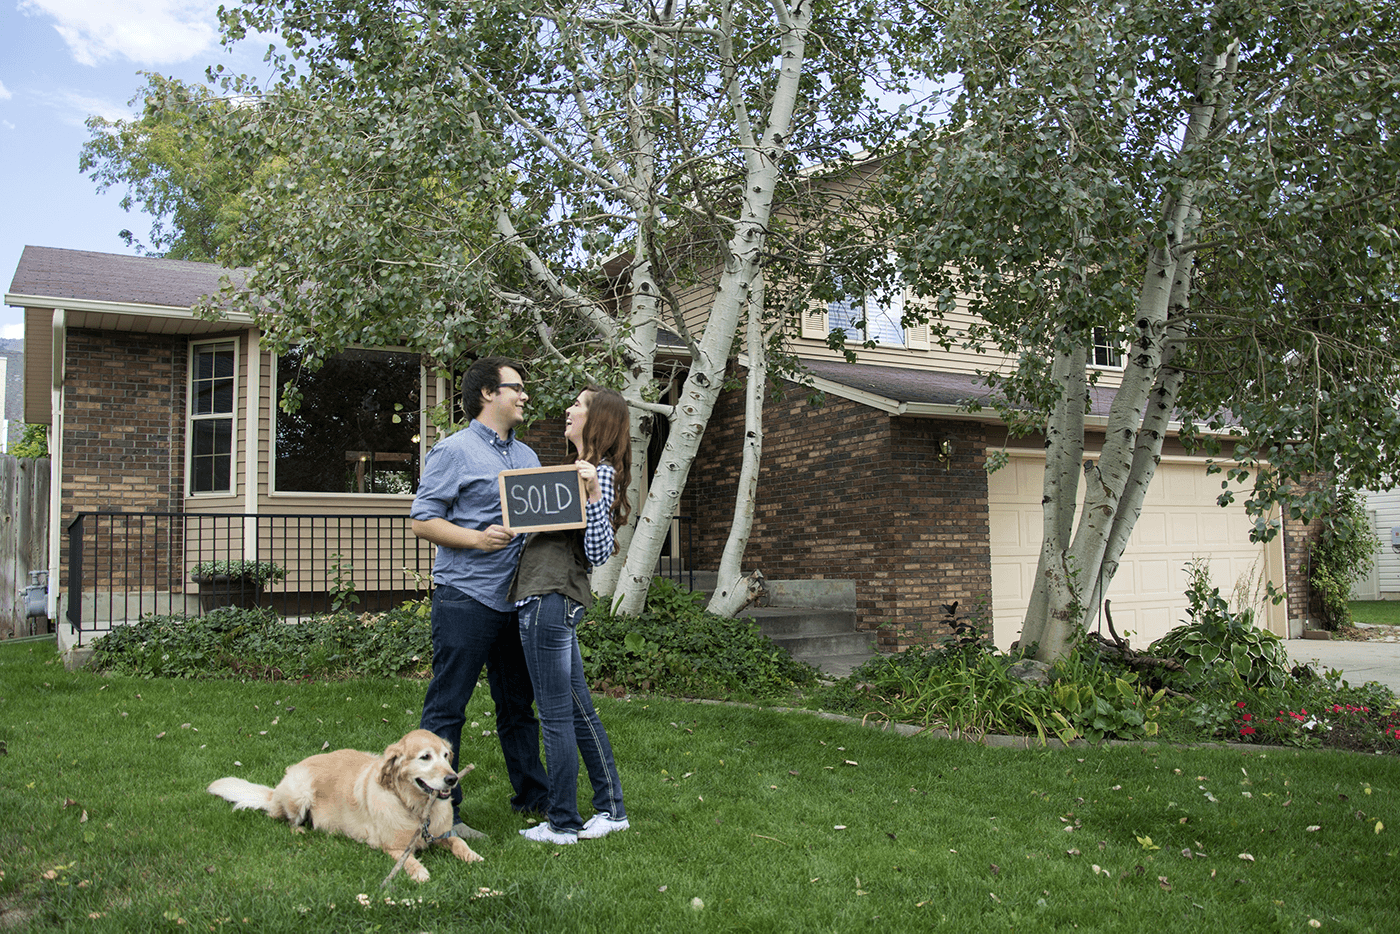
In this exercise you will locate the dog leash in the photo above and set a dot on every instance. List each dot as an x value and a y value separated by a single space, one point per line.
408 850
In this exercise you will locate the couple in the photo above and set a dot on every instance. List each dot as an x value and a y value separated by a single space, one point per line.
515 601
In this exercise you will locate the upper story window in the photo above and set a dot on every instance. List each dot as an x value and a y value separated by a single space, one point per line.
356 429
1106 352
213 389
869 317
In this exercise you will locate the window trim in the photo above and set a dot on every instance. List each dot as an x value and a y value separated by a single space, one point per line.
1098 341
232 415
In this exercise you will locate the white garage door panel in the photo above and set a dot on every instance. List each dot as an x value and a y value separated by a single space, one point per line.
1181 521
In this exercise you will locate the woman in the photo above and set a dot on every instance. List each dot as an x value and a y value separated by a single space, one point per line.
552 591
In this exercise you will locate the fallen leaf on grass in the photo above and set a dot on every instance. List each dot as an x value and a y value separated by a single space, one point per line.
1246 857
852 762
1314 828
1147 843
1379 826
1162 881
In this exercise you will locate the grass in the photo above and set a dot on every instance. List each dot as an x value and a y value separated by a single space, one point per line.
1376 612
773 821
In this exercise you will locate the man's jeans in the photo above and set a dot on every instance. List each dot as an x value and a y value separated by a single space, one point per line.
548 636
466 635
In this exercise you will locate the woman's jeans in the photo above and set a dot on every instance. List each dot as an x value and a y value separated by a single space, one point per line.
548 635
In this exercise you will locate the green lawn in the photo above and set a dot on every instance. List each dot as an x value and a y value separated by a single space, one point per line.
743 819
1376 612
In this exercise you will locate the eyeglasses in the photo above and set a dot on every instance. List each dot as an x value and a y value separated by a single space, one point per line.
518 387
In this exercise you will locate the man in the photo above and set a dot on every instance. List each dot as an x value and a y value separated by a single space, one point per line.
458 508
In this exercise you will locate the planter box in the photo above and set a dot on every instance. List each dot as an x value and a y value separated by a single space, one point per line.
221 590
1319 634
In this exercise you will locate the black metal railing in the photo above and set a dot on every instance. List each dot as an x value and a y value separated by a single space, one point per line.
122 566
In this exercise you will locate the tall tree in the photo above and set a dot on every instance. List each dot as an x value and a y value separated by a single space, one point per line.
166 161
558 180
1213 187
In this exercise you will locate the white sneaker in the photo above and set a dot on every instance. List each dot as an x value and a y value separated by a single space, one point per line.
600 825
543 833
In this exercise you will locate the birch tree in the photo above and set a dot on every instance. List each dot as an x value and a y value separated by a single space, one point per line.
1211 187
553 180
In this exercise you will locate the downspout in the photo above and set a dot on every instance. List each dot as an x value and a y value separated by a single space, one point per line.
55 442
251 442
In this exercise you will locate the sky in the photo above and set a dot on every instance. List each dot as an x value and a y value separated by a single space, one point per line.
62 61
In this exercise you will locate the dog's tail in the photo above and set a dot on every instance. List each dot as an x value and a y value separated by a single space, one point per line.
243 794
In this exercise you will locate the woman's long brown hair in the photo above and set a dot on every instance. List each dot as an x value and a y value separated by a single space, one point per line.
607 437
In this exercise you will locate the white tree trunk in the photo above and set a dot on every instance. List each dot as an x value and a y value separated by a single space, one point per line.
745 250
735 590
1074 577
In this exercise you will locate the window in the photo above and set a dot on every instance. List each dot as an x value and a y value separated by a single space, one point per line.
213 371
356 429
1107 351
869 318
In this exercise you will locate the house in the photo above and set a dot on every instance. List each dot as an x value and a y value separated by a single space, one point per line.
1383 583
157 412
886 484
168 448
11 393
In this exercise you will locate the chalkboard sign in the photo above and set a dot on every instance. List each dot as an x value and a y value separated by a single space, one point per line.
539 499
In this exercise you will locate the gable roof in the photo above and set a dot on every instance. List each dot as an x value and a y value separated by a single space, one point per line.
48 273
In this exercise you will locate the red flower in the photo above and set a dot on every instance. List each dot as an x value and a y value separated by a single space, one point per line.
1247 731
1239 703
1248 717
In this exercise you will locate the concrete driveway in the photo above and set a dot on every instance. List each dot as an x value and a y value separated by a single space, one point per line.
1359 662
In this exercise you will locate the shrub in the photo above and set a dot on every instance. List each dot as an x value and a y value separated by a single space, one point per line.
675 647
1217 644
1341 556
962 690
236 643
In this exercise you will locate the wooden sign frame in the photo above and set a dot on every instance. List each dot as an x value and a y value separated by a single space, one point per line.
535 494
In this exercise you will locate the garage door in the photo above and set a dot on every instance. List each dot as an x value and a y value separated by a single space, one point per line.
1180 522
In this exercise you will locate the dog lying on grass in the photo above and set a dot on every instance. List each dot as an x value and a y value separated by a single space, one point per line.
395 801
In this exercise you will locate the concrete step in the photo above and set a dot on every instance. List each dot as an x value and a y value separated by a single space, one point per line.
813 620
838 666
796 621
844 643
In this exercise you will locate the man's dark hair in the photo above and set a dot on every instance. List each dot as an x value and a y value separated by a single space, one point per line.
485 374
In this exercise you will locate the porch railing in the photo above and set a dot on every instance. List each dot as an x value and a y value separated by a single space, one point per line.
122 566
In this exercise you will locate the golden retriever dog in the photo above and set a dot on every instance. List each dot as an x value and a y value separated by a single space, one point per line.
380 800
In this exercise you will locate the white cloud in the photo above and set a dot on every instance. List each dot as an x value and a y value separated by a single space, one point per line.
12 332
6 125
147 32
74 107
4 92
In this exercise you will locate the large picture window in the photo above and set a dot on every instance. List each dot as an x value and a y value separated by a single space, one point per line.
213 374
356 428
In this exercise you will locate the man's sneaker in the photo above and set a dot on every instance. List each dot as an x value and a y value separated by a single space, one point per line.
460 829
600 825
543 833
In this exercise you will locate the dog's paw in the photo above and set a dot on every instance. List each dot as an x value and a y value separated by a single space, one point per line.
298 828
415 870
463 852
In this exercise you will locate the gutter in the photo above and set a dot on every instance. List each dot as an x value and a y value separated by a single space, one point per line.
59 352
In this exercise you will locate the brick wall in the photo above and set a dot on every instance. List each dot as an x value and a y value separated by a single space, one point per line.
1303 604
124 417
848 492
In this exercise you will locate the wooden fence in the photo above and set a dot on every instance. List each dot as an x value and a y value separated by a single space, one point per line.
24 496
